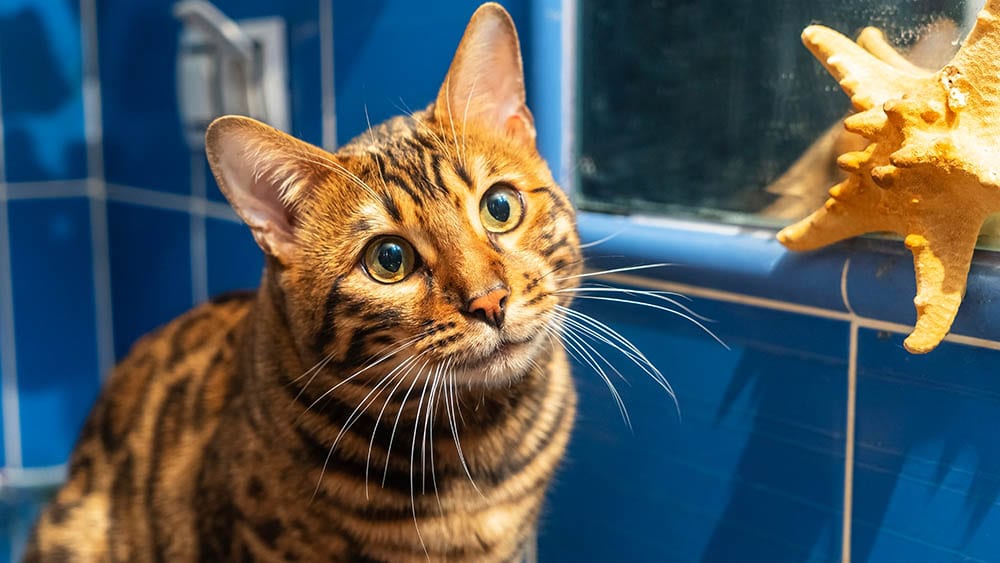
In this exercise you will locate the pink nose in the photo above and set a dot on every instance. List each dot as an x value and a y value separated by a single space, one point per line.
489 307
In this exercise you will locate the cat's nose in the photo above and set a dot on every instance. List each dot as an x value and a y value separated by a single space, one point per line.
489 307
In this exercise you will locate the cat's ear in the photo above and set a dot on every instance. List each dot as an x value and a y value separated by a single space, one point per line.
265 174
485 82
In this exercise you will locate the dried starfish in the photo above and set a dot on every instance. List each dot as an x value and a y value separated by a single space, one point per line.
932 170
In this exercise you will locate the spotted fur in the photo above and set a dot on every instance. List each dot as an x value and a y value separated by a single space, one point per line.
330 417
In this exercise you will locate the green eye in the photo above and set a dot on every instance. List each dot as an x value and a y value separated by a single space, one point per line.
389 259
501 208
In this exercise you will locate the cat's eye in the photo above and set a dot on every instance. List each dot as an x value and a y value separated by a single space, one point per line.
389 259
501 208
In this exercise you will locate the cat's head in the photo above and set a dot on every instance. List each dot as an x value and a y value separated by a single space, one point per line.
441 237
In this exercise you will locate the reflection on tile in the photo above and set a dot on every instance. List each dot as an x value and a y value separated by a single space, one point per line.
150 269
234 259
55 326
927 473
754 466
40 77
143 142
18 510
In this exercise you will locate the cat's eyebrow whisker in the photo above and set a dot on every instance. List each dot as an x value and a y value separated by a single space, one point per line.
665 296
465 119
451 119
693 320
614 271
405 109
375 153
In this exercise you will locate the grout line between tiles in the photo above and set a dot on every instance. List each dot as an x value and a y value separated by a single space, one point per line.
199 249
55 189
9 399
568 96
327 76
171 202
789 307
93 128
852 389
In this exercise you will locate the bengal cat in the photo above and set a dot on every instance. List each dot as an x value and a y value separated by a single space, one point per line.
393 391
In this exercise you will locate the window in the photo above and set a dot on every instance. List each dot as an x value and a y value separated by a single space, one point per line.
700 109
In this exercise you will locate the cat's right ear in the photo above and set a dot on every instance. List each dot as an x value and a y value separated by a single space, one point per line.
265 174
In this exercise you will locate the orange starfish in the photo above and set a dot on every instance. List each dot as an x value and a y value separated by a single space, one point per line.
932 170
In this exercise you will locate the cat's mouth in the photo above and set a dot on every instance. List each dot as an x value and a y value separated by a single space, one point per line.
506 359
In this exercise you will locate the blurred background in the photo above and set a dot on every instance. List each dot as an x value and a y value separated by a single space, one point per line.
813 437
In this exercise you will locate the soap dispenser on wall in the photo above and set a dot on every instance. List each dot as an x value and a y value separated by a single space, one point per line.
228 67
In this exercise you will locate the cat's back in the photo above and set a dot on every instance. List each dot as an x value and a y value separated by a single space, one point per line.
143 440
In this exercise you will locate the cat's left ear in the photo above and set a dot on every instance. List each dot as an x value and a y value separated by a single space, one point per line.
485 83
265 174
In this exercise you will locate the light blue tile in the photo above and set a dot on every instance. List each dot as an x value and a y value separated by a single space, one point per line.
150 269
41 77
54 324
753 471
927 465
234 259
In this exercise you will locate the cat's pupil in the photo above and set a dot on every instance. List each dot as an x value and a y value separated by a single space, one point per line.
499 207
390 256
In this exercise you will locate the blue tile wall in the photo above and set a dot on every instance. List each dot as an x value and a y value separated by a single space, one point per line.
927 465
143 141
51 265
234 259
754 465
150 269
40 78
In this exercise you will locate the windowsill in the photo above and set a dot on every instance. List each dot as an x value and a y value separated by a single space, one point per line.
866 278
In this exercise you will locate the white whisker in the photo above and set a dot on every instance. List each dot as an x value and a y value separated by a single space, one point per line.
614 271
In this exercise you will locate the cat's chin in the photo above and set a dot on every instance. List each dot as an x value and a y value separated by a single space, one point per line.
509 361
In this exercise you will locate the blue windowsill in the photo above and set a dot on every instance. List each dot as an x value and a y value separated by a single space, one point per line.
879 282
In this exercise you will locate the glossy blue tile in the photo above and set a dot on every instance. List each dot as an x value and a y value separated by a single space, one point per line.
752 471
391 55
150 269
18 511
881 285
41 77
51 265
718 257
143 142
234 259
927 466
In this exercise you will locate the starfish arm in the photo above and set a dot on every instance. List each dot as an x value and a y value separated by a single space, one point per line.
873 40
942 255
835 221
868 80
